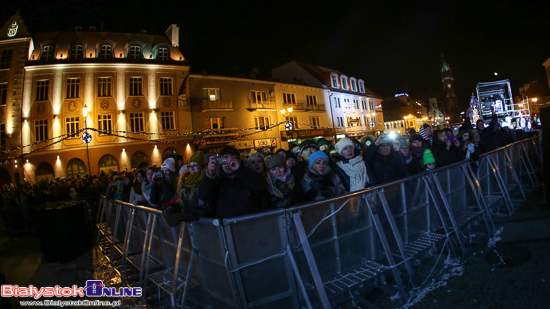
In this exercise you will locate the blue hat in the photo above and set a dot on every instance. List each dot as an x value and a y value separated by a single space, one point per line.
316 155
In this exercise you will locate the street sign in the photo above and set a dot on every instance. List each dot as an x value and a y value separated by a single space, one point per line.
268 142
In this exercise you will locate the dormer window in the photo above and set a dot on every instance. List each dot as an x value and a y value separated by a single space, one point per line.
135 52
334 80
353 83
344 82
76 51
105 52
361 86
47 52
162 54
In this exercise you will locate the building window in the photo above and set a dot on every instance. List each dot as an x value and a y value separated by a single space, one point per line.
340 121
105 52
366 120
104 123
44 171
337 102
344 83
259 97
356 104
104 87
76 51
165 86
72 124
212 94
167 120
353 85
5 60
136 122
73 88
371 105
136 86
2 136
364 104
47 52
334 81
137 158
289 98
76 168
361 87
261 122
3 93
295 124
42 89
40 130
108 163
162 54
214 123
311 100
135 52
314 121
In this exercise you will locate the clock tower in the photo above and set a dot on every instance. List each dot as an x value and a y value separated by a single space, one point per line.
451 102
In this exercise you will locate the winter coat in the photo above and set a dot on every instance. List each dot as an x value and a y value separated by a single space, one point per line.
414 165
318 187
186 208
284 193
299 170
342 163
232 195
161 193
385 168
443 156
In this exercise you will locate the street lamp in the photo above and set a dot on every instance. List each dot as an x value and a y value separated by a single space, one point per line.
87 137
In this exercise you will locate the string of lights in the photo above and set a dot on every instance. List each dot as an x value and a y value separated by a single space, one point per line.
39 149
178 134
43 141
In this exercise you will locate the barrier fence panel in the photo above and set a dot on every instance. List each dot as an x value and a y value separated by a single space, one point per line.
319 254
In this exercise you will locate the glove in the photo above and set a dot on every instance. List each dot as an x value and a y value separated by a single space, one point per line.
168 211
326 192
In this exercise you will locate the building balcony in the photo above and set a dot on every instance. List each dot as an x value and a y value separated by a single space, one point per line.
217 106
220 132
295 106
315 108
266 106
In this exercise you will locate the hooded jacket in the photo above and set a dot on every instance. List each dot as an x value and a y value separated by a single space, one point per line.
427 140
385 168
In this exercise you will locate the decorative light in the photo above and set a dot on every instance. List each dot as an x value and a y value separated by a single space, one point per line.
122 112
27 161
534 100
58 158
283 111
123 150
290 108
155 146
55 116
85 110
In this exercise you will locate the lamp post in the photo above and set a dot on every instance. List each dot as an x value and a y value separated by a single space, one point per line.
86 137
286 113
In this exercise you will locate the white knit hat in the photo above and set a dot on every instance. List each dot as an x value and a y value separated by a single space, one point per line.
170 164
343 143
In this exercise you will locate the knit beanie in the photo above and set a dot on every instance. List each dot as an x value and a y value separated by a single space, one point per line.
366 139
343 143
428 157
403 142
198 157
321 142
273 161
279 150
415 137
253 155
306 144
170 164
295 150
317 155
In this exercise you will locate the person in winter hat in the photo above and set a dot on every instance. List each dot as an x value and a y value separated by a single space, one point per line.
282 188
307 147
349 166
320 181
290 160
164 186
367 140
257 162
426 131
417 146
428 160
281 152
322 144
386 163
411 160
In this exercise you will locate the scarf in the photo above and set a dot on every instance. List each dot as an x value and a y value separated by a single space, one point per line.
417 151
357 172
192 180
276 185
325 179
424 136
408 158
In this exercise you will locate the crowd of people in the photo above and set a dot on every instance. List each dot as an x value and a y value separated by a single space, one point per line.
225 185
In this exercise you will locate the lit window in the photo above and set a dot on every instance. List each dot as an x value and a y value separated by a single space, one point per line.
334 82
167 120
76 51
104 123
259 97
47 52
105 52
212 94
353 85
72 124
136 86
165 86
3 93
42 89
214 123
311 100
76 168
162 54
344 83
289 98
136 122
260 122
135 52
295 123
41 130
5 60
104 87
73 88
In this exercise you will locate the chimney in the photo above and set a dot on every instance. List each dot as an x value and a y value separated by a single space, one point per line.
173 34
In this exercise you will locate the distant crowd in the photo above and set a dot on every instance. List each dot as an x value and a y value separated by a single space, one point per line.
226 185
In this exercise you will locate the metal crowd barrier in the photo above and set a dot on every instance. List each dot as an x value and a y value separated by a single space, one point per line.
323 253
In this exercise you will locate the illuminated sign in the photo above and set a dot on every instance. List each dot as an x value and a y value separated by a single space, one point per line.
261 143
12 30
401 94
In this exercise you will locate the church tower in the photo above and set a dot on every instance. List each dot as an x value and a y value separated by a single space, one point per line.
447 79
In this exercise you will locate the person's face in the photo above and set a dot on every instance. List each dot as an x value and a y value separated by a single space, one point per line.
290 162
404 150
179 164
465 137
257 164
307 152
476 138
384 150
282 154
277 171
298 156
166 172
193 168
226 167
320 165
480 125
443 137
150 174
417 143
430 166
139 178
126 180
348 152
429 132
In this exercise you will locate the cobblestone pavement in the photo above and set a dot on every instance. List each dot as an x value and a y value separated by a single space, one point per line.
486 285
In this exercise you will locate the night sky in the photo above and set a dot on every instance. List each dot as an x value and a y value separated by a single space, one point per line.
394 46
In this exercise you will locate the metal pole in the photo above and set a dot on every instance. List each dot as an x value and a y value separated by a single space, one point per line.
87 150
